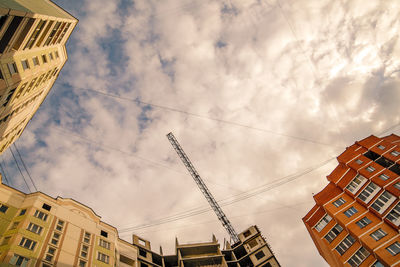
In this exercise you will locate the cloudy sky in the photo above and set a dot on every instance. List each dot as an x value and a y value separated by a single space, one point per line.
261 94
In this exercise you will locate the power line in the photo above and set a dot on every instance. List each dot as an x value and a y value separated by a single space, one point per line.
23 177
26 169
4 174
230 200
206 117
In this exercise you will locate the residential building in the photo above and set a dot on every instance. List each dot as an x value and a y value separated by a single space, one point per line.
41 231
33 34
356 218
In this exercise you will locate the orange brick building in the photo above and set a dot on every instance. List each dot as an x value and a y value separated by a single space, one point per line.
356 218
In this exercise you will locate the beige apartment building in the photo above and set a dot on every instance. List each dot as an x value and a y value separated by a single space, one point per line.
41 231
33 34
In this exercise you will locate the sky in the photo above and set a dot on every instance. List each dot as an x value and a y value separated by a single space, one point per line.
262 96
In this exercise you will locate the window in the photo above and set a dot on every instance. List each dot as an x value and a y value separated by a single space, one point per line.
35 34
332 234
51 56
35 61
394 215
358 257
339 202
22 212
55 239
363 222
40 215
384 177
25 64
323 222
253 243
45 265
369 192
383 202
377 264
56 53
103 257
8 34
60 225
381 147
44 58
394 248
359 161
12 68
27 243
103 233
142 252
86 238
84 251
1 75
50 254
18 260
370 169
395 153
259 255
104 244
350 212
34 228
356 183
3 208
378 234
82 263
247 233
345 244
5 240
397 185
46 207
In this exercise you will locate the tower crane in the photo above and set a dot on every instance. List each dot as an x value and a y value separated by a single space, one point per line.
203 188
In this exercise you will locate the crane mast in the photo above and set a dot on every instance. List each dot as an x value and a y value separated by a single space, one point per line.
203 188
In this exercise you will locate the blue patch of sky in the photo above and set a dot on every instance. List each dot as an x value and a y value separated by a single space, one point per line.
113 47
220 44
143 119
167 67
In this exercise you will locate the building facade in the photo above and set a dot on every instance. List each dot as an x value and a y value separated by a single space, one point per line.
41 231
356 218
33 34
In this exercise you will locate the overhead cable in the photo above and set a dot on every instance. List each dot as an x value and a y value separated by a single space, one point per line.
23 177
206 117
26 169
230 200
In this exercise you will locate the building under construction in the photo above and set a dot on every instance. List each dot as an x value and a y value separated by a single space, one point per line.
38 230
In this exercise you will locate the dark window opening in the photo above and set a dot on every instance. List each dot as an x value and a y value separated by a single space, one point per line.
3 208
240 252
9 33
142 252
46 207
267 265
23 34
157 259
103 233
1 75
395 168
259 255
246 262
384 162
247 233
2 21
371 155
143 264
22 212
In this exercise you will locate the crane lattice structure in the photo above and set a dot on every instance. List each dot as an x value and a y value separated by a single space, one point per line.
203 188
